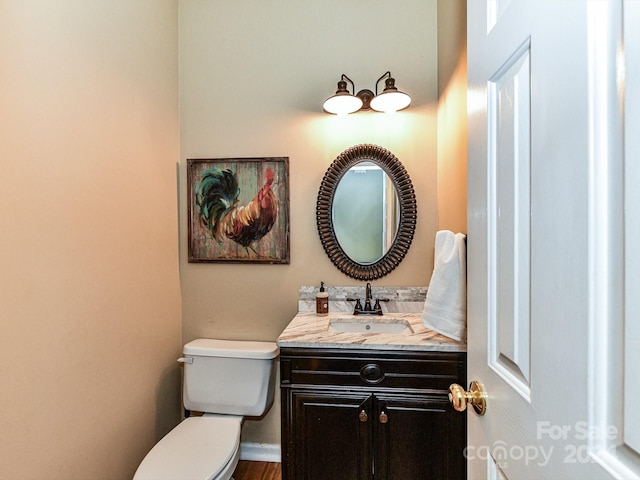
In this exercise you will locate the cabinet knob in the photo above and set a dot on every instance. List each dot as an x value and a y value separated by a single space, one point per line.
372 373
363 416
384 418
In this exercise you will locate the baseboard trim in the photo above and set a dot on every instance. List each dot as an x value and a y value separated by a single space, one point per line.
260 452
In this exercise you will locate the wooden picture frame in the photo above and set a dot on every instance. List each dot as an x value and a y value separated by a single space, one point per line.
238 210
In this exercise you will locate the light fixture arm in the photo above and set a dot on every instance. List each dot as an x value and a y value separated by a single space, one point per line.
365 94
353 85
388 75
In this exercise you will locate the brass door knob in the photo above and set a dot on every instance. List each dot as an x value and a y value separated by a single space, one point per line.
476 396
363 416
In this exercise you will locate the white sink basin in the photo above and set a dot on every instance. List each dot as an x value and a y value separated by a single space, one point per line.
370 325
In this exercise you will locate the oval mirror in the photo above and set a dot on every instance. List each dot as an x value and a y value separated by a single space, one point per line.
366 212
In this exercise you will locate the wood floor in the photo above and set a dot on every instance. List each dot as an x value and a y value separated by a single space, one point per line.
257 471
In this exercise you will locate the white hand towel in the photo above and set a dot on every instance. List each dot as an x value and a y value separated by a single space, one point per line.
445 309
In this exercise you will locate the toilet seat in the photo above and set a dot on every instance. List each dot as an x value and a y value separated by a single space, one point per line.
199 448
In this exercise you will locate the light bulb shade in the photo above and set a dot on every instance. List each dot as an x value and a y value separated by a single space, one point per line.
390 102
342 104
391 99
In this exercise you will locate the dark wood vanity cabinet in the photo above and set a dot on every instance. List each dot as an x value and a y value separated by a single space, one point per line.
362 414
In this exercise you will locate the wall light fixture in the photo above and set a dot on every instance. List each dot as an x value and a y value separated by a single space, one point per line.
345 102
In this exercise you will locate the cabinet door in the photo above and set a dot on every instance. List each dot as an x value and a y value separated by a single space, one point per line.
332 433
418 437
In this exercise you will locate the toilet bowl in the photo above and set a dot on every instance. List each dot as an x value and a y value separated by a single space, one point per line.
227 380
203 448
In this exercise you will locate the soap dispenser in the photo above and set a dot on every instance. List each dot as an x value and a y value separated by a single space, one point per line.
322 302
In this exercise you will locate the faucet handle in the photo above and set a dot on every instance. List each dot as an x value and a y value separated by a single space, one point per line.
357 308
377 307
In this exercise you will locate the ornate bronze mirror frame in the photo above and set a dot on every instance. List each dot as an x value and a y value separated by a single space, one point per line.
407 216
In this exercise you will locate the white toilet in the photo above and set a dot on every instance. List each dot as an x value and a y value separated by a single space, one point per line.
227 380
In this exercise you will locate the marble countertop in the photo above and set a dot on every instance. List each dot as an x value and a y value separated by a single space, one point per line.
309 330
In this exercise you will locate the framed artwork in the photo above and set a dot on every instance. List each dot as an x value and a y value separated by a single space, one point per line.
238 210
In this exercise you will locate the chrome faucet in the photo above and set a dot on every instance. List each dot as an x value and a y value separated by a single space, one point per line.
368 309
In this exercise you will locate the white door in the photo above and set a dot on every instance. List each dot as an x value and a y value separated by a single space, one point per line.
553 238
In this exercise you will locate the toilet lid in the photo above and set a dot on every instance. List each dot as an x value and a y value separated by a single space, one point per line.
197 449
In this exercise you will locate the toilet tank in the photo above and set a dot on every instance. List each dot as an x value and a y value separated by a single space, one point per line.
229 377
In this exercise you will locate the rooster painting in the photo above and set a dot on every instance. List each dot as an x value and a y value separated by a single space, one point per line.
221 214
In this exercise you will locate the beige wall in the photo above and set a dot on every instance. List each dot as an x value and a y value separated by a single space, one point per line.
89 286
90 295
253 79
452 115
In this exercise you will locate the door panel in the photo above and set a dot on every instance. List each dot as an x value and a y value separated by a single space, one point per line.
418 438
319 416
632 230
553 215
509 97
